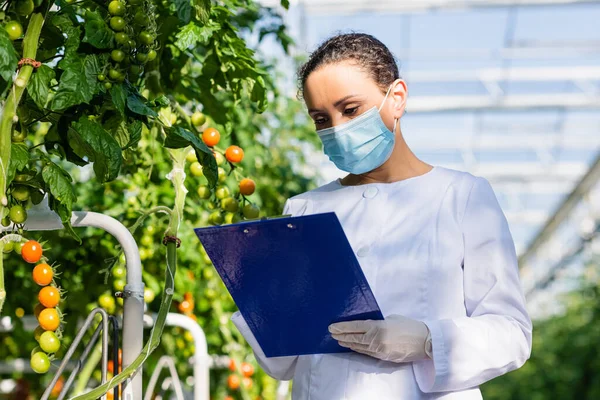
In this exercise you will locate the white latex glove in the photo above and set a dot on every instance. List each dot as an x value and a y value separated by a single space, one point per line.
397 338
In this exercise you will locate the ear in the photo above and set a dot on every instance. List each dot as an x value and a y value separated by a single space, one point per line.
400 94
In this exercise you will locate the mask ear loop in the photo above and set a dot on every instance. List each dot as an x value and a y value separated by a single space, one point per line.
385 98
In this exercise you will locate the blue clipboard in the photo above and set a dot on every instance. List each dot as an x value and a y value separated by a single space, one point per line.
291 278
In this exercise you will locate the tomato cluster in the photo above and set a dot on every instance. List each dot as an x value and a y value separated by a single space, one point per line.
135 45
227 207
234 381
48 333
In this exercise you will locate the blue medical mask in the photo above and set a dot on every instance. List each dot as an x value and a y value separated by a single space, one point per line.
361 144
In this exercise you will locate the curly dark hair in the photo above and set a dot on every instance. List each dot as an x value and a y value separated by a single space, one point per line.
368 53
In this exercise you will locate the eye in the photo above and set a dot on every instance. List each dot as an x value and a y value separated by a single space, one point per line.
350 111
319 121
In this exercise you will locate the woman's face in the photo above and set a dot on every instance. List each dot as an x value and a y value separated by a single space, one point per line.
336 93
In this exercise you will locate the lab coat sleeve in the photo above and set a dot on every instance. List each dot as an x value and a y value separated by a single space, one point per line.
495 336
280 368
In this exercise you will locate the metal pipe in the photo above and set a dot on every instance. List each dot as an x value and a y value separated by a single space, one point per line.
164 361
41 218
201 357
88 322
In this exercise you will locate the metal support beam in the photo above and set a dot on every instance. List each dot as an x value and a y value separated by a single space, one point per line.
339 7
589 180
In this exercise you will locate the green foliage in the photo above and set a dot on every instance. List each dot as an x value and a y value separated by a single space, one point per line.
565 361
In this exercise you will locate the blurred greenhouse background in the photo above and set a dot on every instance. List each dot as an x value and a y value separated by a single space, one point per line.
508 90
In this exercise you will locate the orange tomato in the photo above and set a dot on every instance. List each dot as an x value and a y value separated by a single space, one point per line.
232 365
211 137
38 309
57 387
233 382
186 307
49 319
31 251
42 274
110 366
247 186
247 369
188 296
49 296
234 154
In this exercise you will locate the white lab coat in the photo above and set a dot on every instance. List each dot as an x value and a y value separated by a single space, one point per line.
435 248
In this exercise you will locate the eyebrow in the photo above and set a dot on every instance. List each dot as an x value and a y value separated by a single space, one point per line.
337 103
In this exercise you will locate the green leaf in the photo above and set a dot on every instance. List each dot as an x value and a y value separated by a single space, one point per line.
285 4
202 10
178 138
88 138
97 33
19 157
191 34
59 183
64 212
135 133
8 56
79 81
119 98
184 10
137 103
39 85
73 33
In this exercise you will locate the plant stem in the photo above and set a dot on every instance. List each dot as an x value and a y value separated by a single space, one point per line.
30 46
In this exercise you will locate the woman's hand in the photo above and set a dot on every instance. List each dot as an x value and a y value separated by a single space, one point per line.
397 339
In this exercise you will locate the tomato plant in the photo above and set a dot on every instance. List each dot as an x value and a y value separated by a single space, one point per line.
127 91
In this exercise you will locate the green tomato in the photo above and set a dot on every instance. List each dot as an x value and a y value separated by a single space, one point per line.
24 7
251 211
222 192
49 342
198 119
107 85
196 169
151 55
8 247
232 218
141 19
116 8
119 285
191 157
22 178
115 74
145 37
18 246
121 38
6 221
147 241
141 57
40 363
215 218
230 204
149 295
135 69
18 136
117 23
14 29
208 273
20 193
219 158
101 77
107 301
204 192
17 214
118 272
117 55
222 175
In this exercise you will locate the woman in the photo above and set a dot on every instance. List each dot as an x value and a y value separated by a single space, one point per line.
433 243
